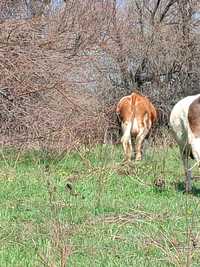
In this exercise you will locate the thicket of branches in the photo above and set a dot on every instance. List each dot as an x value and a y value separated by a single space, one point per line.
63 70
45 65
156 46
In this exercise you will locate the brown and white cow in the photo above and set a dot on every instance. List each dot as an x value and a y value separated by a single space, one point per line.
185 124
137 114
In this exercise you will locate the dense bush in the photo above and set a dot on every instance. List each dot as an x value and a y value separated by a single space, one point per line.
63 70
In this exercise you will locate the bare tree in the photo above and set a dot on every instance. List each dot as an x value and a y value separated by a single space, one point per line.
155 44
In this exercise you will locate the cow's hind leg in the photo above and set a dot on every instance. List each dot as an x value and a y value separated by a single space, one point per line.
194 149
138 143
195 145
126 140
144 130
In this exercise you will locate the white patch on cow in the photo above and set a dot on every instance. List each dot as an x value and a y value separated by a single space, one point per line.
135 126
195 144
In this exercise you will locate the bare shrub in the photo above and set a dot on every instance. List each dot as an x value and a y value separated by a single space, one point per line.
45 96
52 62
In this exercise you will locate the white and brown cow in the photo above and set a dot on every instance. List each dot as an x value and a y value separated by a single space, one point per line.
185 124
137 114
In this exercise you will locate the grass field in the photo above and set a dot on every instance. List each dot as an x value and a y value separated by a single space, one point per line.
89 209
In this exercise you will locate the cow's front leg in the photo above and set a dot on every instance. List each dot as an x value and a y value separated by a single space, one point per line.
188 172
188 176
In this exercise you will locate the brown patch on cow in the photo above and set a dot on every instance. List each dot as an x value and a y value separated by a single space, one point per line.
194 117
135 105
142 106
124 109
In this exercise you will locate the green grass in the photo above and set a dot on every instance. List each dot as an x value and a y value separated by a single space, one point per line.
90 209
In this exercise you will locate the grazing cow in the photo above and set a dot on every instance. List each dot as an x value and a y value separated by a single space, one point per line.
137 114
185 124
